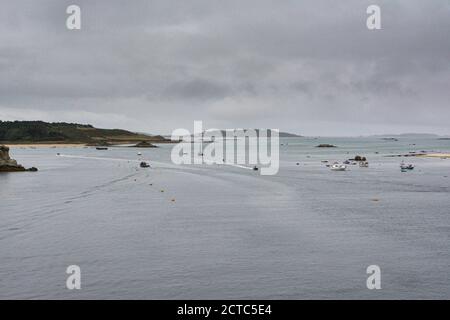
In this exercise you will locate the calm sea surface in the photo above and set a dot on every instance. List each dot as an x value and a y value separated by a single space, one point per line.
223 232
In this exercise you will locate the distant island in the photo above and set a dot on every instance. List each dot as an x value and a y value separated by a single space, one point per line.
233 131
40 132
289 135
405 135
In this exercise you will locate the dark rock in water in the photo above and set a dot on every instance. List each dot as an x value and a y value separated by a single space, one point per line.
325 145
359 158
10 165
144 144
7 168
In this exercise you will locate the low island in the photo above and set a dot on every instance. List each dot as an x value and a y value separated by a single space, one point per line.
40 133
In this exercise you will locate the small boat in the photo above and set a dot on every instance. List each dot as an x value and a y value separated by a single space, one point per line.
364 164
144 164
338 167
255 168
404 166
101 148
346 162
139 153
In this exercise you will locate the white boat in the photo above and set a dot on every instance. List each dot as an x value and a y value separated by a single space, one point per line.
139 153
338 167
405 166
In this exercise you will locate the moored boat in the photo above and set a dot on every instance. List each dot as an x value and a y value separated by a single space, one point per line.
338 167
404 166
364 164
144 164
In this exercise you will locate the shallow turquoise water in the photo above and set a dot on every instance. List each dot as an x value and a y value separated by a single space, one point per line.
230 233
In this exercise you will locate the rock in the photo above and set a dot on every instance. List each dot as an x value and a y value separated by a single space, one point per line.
8 168
144 144
10 165
325 145
359 158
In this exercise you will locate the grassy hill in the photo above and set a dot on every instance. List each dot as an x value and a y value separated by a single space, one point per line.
16 132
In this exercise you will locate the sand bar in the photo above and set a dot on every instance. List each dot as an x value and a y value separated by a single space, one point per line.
435 155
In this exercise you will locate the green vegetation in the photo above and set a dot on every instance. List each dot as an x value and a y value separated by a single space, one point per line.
61 132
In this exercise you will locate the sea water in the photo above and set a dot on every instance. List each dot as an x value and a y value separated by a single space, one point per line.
222 232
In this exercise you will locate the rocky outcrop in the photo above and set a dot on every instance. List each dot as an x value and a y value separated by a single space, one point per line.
10 165
359 158
144 144
325 145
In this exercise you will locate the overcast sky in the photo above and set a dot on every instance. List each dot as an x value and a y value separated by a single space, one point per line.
308 67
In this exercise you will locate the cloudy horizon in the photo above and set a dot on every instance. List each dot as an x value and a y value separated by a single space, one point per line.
310 67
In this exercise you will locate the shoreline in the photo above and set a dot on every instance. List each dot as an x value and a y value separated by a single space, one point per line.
46 145
72 145
435 155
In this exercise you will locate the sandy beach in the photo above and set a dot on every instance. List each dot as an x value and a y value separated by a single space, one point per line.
435 155
47 145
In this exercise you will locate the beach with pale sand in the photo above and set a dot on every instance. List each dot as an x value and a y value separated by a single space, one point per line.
436 155
46 145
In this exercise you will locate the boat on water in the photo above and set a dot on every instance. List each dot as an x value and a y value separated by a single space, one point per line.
405 167
144 164
101 148
364 164
139 153
338 167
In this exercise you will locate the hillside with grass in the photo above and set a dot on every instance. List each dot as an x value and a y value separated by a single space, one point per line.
17 132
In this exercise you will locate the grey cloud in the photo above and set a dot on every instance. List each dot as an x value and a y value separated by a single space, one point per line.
310 67
197 89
